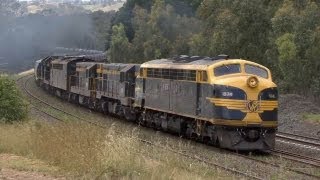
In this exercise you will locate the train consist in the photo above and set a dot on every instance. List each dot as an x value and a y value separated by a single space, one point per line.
227 102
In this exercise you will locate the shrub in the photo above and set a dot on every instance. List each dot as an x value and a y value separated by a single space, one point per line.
12 106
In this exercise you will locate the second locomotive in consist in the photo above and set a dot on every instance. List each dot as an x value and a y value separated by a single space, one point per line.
227 102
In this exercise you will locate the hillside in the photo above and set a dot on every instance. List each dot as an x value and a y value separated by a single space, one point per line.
64 9
280 34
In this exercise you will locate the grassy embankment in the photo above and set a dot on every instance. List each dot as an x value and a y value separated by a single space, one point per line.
82 150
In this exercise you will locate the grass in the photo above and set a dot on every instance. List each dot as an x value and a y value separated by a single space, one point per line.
315 118
58 114
82 150
25 164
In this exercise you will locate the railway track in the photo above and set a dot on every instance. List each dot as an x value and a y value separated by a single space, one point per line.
307 161
299 140
298 136
305 142
297 157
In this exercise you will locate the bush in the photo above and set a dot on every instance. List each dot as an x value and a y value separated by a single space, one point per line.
315 87
12 106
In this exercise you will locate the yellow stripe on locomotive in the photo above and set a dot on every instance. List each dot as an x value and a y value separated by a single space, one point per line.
253 79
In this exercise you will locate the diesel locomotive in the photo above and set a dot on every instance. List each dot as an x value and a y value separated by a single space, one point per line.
231 103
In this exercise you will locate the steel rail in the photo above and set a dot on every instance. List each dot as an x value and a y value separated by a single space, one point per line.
278 166
297 157
299 136
299 140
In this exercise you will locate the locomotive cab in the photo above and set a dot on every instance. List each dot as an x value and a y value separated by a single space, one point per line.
245 99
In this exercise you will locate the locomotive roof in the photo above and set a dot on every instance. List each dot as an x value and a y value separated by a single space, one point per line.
66 60
59 61
194 62
87 65
118 66
184 62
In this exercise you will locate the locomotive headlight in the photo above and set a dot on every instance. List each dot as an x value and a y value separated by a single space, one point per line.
252 81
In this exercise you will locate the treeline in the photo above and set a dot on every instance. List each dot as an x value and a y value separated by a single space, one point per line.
145 30
284 35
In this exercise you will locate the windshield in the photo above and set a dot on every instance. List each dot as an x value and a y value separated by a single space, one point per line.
251 69
227 69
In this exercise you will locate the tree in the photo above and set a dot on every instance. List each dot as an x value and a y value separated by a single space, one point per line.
284 19
125 13
199 45
12 106
120 47
159 28
291 66
281 34
102 28
313 63
142 33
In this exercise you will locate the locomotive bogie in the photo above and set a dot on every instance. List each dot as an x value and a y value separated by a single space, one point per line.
246 138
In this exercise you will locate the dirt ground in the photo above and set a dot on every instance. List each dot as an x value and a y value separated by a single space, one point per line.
292 107
8 174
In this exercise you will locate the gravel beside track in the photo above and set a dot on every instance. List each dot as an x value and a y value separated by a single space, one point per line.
291 120
209 155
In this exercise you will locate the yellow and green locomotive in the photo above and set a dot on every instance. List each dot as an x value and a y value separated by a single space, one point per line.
227 102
